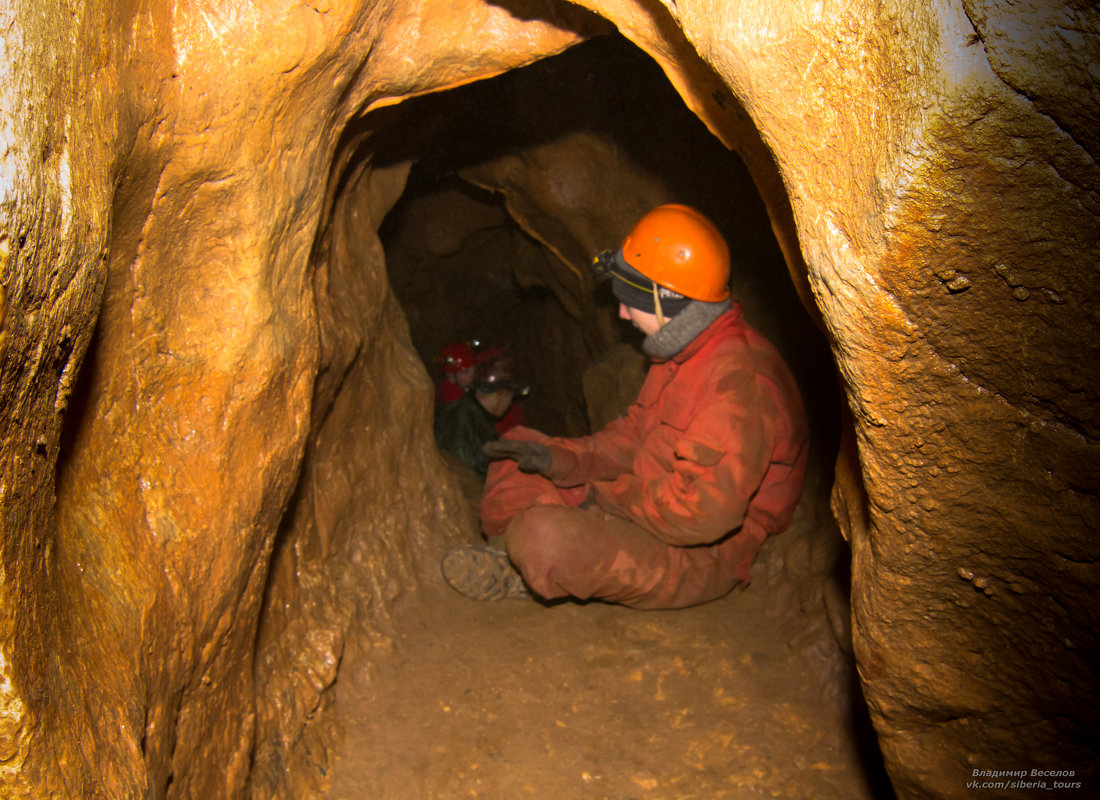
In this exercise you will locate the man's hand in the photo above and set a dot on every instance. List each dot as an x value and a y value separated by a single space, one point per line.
529 456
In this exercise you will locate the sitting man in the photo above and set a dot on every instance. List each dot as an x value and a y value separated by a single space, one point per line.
464 426
667 506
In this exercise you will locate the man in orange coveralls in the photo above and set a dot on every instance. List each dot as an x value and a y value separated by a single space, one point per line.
668 505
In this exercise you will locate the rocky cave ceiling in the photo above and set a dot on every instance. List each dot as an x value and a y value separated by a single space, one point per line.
198 190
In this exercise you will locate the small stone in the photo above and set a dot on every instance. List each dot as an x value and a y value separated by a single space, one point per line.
958 284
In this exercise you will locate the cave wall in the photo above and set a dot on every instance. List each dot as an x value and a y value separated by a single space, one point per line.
165 173
374 507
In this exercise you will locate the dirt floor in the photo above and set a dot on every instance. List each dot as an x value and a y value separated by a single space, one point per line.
518 699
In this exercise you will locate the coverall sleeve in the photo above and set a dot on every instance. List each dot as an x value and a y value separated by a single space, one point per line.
720 459
602 456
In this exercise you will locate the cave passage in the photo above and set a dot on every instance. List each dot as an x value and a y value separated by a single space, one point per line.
236 235
751 695
463 267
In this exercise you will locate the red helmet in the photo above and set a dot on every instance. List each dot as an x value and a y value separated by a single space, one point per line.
456 357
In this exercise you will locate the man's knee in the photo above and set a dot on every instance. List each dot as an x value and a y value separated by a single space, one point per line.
543 537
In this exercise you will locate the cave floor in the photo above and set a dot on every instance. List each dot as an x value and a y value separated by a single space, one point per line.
516 699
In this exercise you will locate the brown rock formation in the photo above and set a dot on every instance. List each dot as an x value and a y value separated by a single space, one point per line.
197 187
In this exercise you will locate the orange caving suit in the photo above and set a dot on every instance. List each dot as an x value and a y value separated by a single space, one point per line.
667 506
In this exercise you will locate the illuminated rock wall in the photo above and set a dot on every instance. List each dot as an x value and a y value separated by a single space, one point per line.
179 155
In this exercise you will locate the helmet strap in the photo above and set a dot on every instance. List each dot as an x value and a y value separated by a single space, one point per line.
657 306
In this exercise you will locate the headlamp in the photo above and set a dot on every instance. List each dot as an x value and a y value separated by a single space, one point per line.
604 263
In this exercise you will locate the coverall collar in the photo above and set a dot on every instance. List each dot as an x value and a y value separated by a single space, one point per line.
709 324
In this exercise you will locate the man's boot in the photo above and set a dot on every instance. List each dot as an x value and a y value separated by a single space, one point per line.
483 573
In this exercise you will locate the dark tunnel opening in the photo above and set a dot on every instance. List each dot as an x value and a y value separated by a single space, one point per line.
472 294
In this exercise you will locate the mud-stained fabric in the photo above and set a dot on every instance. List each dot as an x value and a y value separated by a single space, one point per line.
677 495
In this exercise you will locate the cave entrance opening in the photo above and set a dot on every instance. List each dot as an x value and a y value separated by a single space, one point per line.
511 182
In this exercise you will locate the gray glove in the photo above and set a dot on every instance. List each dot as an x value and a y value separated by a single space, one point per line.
529 456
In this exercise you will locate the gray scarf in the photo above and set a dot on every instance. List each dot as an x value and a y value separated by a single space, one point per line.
681 330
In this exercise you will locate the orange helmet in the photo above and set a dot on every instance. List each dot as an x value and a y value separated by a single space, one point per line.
677 247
